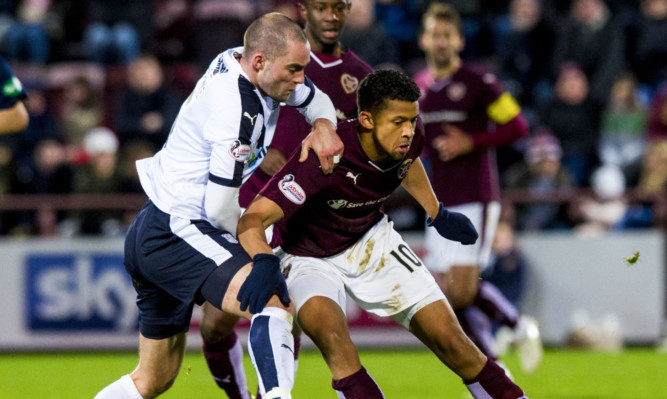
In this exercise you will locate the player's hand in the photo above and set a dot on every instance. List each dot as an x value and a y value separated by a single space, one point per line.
273 160
326 144
454 226
453 143
263 281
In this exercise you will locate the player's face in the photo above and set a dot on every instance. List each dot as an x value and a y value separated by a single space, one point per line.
394 127
278 78
324 21
441 41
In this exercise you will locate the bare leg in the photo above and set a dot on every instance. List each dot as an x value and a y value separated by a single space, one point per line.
325 323
159 362
436 326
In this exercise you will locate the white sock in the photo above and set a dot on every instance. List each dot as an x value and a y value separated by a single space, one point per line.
122 388
271 348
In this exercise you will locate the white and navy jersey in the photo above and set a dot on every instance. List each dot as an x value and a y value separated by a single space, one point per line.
221 134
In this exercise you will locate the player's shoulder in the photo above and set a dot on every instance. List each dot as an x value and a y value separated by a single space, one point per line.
352 59
347 129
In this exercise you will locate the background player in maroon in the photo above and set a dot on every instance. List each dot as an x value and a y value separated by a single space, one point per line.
337 240
466 115
336 71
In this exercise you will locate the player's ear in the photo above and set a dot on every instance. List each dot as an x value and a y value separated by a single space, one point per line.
258 61
303 11
366 120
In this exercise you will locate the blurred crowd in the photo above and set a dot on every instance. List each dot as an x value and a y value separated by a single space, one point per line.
105 80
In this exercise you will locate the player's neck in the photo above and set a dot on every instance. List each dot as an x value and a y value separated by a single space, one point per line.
443 71
369 146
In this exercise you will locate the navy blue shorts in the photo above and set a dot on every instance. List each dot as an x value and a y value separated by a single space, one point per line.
175 263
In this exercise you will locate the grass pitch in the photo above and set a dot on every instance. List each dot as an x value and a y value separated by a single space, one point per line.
563 374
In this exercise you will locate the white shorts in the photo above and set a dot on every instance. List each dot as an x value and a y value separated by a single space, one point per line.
443 253
380 273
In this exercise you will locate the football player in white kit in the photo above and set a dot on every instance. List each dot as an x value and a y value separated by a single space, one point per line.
181 248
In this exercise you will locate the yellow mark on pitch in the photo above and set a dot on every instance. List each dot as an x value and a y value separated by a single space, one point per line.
188 370
634 258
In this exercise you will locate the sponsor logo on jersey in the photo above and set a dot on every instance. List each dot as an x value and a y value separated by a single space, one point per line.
353 176
292 190
349 83
403 169
341 203
240 152
337 204
456 91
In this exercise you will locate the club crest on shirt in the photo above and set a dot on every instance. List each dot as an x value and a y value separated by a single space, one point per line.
403 169
349 83
240 152
292 190
456 91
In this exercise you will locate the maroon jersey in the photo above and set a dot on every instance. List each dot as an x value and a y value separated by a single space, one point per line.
339 78
474 102
324 215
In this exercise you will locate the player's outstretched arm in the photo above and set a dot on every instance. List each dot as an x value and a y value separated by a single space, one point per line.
260 214
417 184
324 140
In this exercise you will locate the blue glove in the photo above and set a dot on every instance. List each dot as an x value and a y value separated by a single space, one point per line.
264 279
454 226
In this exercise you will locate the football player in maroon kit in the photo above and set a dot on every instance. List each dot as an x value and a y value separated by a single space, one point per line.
337 240
466 115
336 71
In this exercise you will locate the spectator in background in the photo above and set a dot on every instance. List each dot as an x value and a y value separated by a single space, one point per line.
219 25
624 128
99 176
573 116
653 179
507 268
650 48
542 174
118 29
524 43
367 38
147 108
47 173
27 39
42 125
590 39
657 124
605 209
82 110
173 27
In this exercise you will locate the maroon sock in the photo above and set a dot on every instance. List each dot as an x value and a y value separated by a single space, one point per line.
492 382
225 360
493 303
359 385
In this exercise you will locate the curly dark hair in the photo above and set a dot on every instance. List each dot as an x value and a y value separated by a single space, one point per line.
384 85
